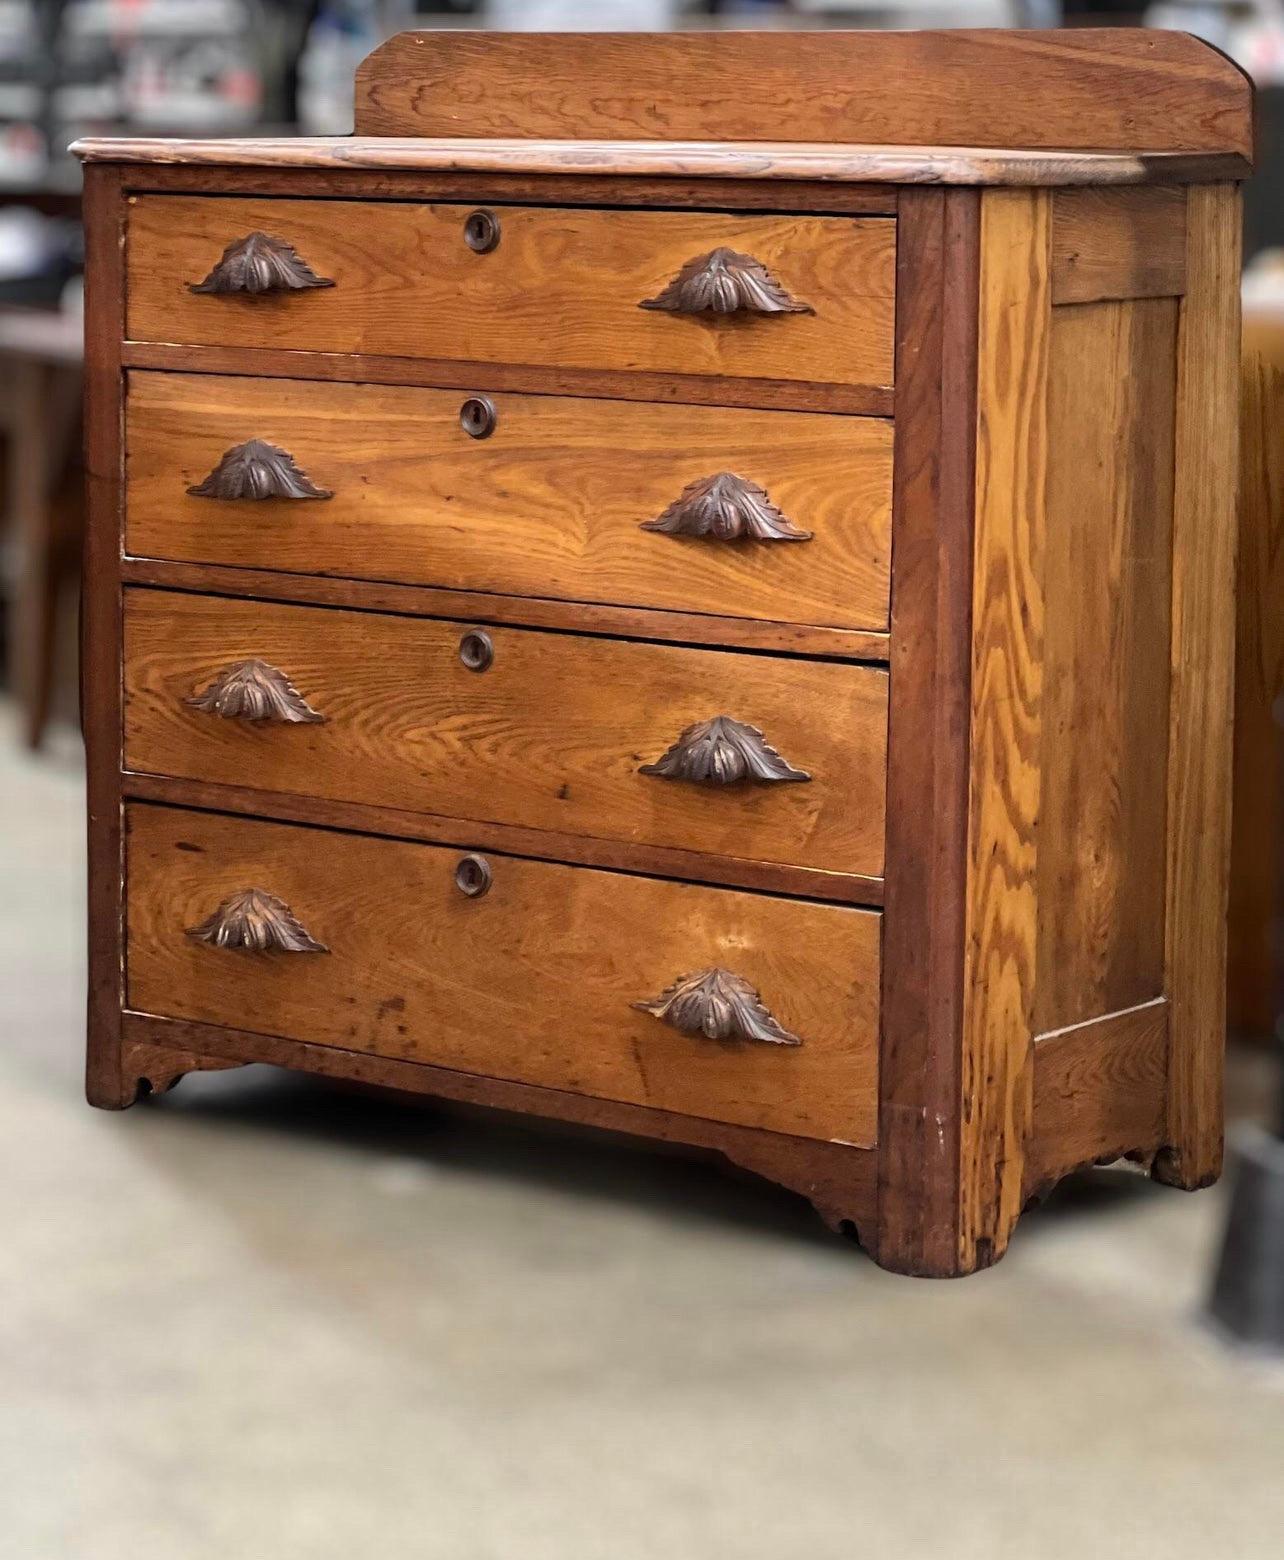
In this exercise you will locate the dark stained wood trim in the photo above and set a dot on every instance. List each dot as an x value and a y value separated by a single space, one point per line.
837 1179
443 374
874 169
466 834
100 695
1099 1093
932 529
529 189
521 611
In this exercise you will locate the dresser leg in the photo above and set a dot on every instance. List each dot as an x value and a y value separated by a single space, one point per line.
147 1069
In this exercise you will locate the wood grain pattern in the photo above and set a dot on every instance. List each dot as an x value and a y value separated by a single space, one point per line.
551 737
1098 1092
837 1179
919 1064
1257 828
551 504
100 697
1107 600
520 378
1086 88
1006 716
563 288
529 611
530 982
770 877
1113 243
773 167
1203 654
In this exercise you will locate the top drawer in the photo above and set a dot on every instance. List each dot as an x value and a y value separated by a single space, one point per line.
559 288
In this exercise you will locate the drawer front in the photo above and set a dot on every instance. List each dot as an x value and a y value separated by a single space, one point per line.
786 515
560 288
551 731
533 980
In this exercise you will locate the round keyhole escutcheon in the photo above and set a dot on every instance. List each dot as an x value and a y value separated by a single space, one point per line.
476 650
473 876
477 417
481 231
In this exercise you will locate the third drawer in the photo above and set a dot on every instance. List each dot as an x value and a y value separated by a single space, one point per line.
760 758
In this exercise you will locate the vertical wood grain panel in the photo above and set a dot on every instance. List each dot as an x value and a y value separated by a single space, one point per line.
100 660
1199 764
1107 599
927 754
1006 716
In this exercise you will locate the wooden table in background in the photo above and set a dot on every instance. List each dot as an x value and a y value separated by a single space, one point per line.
40 402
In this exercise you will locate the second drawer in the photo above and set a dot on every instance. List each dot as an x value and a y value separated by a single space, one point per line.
759 758
529 495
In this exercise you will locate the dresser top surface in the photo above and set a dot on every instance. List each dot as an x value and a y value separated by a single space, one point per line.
1082 106
765 161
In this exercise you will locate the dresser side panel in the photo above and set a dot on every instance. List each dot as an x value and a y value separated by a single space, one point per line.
1107 593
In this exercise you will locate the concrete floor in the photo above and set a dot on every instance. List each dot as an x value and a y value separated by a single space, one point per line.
264 1318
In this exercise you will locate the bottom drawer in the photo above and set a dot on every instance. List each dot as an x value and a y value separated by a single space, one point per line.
387 947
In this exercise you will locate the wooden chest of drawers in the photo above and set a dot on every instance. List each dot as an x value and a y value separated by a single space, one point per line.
639 590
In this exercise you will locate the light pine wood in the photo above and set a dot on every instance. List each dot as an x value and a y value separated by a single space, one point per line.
1118 243
513 839
532 982
550 504
1088 89
518 378
1107 601
825 167
562 289
1006 716
550 737
843 644
1203 654
1257 829
1099 1092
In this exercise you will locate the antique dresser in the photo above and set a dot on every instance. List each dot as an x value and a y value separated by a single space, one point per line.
684 583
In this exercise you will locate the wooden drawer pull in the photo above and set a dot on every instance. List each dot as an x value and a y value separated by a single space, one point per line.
253 690
718 1005
258 921
726 508
724 282
723 751
260 264
257 470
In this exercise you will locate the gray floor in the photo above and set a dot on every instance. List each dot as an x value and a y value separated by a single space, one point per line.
264 1318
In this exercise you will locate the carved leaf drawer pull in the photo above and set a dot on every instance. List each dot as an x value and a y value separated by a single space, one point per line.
724 282
258 921
723 751
253 690
718 1005
727 508
257 470
257 264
